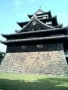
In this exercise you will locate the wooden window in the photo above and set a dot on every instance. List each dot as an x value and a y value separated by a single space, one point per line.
49 23
23 47
39 46
43 16
32 29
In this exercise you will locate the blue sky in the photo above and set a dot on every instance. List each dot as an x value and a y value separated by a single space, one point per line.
12 11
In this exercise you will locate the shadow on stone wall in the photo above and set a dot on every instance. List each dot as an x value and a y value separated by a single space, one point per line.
1 58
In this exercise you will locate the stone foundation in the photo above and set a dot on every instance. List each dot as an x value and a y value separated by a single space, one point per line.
51 62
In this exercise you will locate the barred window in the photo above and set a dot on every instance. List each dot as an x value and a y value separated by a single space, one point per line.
23 47
39 46
45 16
49 23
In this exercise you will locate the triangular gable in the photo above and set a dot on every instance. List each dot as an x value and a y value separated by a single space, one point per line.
35 24
39 12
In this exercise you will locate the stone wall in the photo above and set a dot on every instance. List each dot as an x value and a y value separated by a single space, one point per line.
51 61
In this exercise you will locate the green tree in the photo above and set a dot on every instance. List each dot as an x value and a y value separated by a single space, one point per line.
1 56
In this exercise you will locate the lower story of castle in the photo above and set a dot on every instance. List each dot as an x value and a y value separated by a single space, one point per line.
46 59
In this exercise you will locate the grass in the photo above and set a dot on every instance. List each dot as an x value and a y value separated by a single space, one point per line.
9 81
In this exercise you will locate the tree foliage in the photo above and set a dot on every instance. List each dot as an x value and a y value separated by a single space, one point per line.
1 56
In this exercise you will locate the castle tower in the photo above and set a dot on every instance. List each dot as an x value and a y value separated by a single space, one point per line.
39 47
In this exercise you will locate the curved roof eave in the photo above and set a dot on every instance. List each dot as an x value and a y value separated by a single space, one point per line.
35 39
48 30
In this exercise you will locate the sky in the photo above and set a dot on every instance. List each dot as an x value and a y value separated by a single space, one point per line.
13 11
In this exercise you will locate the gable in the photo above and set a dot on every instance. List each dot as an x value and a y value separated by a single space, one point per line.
35 24
39 11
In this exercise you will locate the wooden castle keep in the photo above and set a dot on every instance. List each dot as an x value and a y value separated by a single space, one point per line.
40 47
